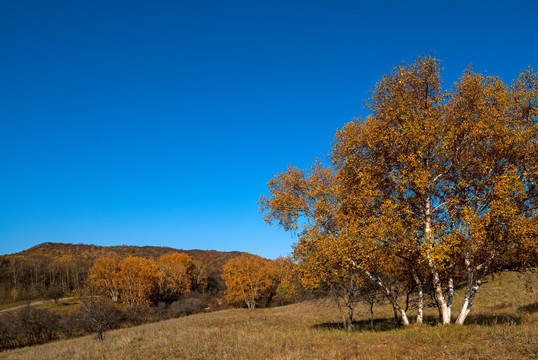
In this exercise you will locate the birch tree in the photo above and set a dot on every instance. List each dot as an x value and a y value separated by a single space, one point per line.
175 275
137 281
491 195
333 249
458 167
434 188
250 279
105 275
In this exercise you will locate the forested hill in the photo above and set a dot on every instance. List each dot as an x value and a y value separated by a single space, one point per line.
86 254
52 267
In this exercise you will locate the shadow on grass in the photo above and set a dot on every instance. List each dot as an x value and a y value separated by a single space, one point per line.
489 320
529 308
512 318
384 324
387 324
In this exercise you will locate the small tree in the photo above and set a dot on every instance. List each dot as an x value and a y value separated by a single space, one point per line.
289 288
105 275
97 315
175 275
137 281
250 279
55 293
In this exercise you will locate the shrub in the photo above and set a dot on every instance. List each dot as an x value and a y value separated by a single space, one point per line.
188 304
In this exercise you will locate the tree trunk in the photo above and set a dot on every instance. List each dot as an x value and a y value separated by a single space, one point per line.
405 320
396 317
420 300
349 324
398 309
470 290
450 297
372 314
444 310
376 280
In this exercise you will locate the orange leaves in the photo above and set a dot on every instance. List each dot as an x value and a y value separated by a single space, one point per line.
250 279
430 176
430 180
436 164
105 274
137 281
175 273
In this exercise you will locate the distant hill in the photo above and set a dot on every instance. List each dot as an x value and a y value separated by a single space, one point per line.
86 254
36 272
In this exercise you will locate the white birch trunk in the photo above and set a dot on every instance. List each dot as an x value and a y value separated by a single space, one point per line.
376 280
420 300
471 290
450 297
445 311
390 297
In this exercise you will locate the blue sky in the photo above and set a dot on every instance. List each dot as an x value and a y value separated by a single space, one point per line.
160 123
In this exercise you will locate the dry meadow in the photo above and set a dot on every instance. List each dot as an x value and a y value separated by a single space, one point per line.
502 325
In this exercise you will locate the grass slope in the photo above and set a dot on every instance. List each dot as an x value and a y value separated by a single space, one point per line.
503 325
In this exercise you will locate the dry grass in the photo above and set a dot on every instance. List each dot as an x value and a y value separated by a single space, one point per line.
503 325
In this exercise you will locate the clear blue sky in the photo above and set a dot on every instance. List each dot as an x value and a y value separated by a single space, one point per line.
160 122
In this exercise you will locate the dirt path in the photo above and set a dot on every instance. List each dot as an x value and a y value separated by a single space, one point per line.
33 303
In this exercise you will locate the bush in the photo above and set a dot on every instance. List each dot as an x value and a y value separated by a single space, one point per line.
136 315
9 335
28 326
37 325
188 304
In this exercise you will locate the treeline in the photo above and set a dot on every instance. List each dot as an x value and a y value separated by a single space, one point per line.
248 280
28 277
128 291
87 254
55 269
114 292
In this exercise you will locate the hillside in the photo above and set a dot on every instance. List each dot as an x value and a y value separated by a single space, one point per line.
51 267
503 325
86 254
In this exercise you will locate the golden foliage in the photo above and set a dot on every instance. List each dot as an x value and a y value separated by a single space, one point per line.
175 273
137 280
432 183
105 274
250 279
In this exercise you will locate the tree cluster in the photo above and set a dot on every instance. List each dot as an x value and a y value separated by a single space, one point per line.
434 189
253 281
137 281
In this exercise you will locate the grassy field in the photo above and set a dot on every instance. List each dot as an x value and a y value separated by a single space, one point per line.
503 325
